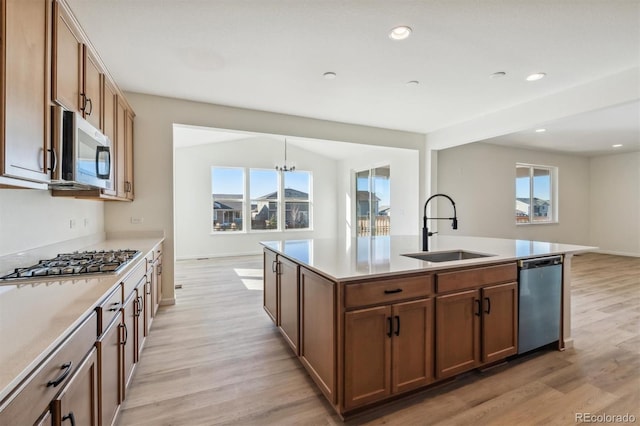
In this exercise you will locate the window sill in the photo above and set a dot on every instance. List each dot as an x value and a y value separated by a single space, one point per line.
538 223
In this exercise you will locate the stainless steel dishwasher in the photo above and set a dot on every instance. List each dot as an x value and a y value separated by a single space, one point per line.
540 298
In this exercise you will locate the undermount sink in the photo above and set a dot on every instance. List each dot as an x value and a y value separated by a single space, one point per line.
447 256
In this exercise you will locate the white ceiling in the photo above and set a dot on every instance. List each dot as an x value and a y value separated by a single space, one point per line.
271 54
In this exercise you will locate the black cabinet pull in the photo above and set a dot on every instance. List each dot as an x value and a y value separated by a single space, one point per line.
54 160
397 290
137 307
126 334
115 307
479 311
390 332
397 325
488 311
70 417
274 266
67 369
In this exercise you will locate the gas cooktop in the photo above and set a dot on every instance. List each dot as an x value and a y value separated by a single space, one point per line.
76 264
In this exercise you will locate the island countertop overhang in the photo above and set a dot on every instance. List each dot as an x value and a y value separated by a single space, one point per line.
380 256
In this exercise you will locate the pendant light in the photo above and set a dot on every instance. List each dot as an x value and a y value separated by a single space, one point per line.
284 167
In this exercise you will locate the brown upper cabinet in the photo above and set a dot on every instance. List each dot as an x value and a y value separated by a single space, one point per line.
77 74
25 46
80 82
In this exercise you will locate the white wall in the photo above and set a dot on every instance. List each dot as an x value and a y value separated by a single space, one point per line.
193 195
153 156
32 218
405 189
615 203
481 180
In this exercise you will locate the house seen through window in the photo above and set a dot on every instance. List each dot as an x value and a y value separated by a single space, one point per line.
535 189
269 199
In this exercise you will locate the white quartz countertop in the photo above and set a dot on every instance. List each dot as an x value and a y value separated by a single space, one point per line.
364 257
36 315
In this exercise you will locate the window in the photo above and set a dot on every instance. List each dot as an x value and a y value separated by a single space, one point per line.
273 200
227 188
264 186
535 189
296 199
373 201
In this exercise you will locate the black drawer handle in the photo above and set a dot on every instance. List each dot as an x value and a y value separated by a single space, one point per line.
390 329
479 308
488 311
115 307
397 290
397 325
70 417
67 369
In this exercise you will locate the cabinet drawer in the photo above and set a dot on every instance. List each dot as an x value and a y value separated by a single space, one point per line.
37 391
134 278
377 292
476 277
109 308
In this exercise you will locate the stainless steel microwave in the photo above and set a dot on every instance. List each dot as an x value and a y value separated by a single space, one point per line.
81 154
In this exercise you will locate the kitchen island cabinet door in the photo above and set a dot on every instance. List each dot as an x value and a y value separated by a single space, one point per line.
318 330
24 127
457 333
270 291
77 403
499 322
412 345
289 302
367 356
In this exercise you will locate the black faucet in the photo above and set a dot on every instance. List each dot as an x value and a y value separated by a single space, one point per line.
425 231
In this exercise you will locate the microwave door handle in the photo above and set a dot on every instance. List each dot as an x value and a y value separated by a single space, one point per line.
99 150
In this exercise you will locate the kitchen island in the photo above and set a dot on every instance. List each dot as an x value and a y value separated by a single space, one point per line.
370 324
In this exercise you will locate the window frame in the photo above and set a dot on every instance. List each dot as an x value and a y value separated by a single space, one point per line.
553 193
247 200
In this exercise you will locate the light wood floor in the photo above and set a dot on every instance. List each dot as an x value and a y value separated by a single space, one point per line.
215 358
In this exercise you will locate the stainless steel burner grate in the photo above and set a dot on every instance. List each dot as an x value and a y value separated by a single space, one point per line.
77 263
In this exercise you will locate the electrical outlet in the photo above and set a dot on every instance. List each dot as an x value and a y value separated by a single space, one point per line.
137 220
72 223
86 222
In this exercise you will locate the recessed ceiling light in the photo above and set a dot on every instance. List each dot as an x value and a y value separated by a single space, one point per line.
536 76
498 74
412 83
541 130
400 33
618 145
329 75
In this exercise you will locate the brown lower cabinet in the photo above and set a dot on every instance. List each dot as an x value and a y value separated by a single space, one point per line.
84 380
77 403
110 365
288 302
475 327
366 340
388 350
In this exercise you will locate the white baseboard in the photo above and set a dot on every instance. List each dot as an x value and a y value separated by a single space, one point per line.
216 256
618 253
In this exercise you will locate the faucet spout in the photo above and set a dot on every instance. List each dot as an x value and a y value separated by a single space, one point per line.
425 231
